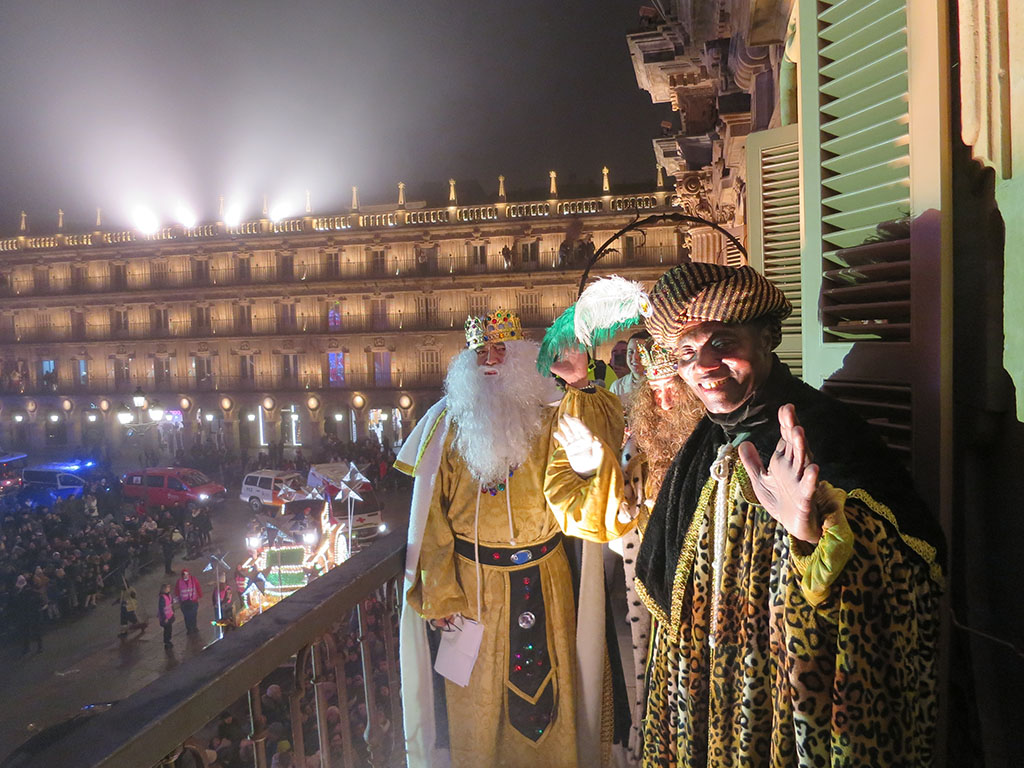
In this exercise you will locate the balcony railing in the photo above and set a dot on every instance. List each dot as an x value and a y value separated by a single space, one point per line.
423 320
299 632
313 380
348 269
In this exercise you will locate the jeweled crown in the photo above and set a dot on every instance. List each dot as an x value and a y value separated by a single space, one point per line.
475 336
659 363
503 325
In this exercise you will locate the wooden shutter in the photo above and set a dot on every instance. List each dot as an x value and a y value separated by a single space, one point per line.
874 140
865 161
773 215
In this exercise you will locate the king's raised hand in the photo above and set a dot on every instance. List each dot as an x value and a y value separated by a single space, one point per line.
582 449
786 488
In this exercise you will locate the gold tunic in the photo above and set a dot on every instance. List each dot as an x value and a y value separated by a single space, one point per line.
480 731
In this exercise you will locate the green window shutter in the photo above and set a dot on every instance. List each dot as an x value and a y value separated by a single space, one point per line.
875 148
773 215
865 168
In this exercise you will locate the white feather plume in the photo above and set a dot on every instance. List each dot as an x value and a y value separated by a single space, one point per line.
609 304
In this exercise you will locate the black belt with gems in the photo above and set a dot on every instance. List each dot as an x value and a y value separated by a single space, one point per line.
531 690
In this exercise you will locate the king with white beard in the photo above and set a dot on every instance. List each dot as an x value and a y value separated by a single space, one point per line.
493 542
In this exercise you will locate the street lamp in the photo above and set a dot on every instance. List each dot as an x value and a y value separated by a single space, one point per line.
139 398
125 416
156 411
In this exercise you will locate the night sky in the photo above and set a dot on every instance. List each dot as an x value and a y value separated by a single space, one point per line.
121 103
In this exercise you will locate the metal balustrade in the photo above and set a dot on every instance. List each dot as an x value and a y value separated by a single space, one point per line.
345 268
313 379
299 633
438 320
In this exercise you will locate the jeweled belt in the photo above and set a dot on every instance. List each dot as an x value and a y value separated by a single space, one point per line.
531 704
508 557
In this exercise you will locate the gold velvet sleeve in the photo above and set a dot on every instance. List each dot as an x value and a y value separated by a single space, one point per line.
588 508
821 566
436 592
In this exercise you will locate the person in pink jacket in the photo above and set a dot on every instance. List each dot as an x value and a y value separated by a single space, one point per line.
188 593
165 613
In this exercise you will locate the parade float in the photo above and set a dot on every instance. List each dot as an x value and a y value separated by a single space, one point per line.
316 529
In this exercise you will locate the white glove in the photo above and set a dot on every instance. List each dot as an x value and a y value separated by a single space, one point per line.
582 449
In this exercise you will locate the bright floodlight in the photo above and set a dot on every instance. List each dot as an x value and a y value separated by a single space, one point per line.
309 537
145 220
185 216
279 210
233 215
254 542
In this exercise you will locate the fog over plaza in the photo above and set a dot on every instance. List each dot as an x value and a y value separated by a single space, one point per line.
168 105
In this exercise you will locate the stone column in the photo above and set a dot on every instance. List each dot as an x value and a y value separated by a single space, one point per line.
37 430
231 441
188 422
74 421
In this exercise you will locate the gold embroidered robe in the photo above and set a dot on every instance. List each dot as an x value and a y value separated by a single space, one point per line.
479 728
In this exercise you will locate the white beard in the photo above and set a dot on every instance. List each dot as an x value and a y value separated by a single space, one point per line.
497 417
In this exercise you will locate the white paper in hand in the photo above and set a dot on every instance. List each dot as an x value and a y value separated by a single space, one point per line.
458 652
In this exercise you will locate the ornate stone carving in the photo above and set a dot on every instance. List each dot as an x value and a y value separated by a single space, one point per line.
985 82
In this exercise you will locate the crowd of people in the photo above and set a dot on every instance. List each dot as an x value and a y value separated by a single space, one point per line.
227 742
60 562
377 455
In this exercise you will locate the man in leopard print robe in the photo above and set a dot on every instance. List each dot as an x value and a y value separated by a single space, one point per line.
796 606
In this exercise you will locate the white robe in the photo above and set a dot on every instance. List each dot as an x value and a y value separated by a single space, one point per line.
419 457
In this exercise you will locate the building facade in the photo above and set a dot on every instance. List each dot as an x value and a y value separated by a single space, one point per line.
724 67
271 331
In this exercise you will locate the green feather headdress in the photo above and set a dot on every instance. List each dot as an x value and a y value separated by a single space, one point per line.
607 307
560 337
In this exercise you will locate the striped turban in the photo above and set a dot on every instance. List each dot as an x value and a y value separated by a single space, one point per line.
700 292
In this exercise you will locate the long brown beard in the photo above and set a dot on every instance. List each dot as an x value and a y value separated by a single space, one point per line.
659 434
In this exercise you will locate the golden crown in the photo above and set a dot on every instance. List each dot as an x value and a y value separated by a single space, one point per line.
475 336
659 363
503 325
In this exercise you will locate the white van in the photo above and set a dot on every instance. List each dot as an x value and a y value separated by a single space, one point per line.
270 488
